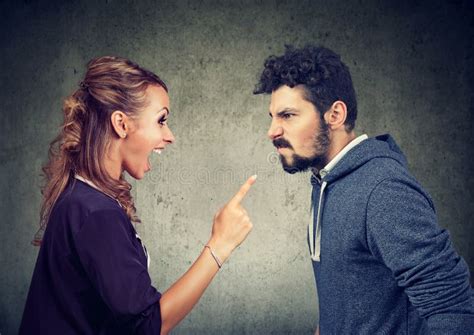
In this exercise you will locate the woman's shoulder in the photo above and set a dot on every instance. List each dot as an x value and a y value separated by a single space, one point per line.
81 197
80 206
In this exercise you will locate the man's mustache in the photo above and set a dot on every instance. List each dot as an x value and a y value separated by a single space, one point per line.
282 143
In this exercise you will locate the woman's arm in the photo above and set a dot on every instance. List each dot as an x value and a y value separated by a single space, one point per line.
231 226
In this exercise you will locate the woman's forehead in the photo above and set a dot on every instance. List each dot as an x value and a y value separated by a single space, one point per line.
157 98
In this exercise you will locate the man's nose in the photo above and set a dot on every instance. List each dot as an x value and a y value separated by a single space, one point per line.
275 131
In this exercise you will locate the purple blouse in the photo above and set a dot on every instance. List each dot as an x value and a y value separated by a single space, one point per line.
91 274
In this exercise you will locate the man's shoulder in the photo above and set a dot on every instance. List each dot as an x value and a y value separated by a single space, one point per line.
380 168
383 173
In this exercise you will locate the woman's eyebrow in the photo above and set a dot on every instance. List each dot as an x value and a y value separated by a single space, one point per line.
164 109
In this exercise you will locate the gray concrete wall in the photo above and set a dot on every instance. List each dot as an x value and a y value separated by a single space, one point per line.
414 74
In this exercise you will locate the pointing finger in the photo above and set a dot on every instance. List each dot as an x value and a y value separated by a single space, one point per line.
239 196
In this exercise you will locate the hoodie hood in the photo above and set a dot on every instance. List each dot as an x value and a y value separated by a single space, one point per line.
382 146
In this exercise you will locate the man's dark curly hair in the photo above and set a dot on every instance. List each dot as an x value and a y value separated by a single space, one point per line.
325 77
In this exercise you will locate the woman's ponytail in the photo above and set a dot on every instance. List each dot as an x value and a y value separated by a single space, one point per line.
63 152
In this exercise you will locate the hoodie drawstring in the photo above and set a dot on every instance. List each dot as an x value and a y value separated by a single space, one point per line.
315 232
321 178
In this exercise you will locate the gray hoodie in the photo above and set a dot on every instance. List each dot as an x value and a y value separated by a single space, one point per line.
382 264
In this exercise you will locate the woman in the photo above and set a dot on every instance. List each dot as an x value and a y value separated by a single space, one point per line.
91 275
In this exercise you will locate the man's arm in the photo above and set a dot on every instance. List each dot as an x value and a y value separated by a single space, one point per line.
402 231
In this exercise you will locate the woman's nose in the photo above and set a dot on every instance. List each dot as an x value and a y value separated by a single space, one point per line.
169 137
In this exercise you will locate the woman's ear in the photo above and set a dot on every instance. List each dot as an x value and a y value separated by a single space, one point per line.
336 116
120 123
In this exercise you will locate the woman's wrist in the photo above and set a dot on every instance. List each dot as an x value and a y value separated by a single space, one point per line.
216 258
221 250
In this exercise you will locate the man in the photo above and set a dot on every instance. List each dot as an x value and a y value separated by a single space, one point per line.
382 264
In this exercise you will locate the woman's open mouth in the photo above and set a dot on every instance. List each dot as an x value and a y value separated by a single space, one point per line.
156 151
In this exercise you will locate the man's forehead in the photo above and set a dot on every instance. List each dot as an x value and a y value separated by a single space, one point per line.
286 97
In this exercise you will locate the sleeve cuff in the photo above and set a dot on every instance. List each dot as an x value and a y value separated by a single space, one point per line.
459 324
149 321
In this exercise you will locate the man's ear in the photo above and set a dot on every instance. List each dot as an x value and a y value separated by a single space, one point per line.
120 123
336 115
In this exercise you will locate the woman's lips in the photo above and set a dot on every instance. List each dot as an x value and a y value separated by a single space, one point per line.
156 151
148 165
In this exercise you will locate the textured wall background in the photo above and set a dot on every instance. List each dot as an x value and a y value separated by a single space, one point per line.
413 69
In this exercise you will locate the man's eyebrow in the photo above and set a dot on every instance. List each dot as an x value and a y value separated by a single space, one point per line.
284 111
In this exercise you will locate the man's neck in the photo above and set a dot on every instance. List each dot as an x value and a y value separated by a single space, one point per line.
338 141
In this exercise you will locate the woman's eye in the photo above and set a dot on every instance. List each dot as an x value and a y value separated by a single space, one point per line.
162 121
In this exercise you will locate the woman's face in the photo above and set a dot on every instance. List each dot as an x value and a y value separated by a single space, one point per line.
149 134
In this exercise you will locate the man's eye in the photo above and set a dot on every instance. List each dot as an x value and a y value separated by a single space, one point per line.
286 116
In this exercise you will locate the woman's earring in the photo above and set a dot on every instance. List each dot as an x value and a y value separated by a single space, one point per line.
124 135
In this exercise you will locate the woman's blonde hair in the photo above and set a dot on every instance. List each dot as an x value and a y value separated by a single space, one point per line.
110 84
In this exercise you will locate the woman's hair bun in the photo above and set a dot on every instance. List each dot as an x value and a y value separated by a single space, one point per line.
74 115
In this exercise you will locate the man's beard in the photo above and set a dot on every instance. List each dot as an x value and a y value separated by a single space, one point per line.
300 163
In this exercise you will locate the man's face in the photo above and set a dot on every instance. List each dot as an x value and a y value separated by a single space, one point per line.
297 131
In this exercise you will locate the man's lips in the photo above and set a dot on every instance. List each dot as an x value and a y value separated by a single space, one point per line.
281 149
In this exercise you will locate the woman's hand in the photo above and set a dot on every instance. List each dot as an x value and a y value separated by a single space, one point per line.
231 227
231 224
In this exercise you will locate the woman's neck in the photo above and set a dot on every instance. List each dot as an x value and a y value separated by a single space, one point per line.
113 162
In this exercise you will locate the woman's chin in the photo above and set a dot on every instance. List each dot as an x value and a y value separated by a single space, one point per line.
137 174
138 171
